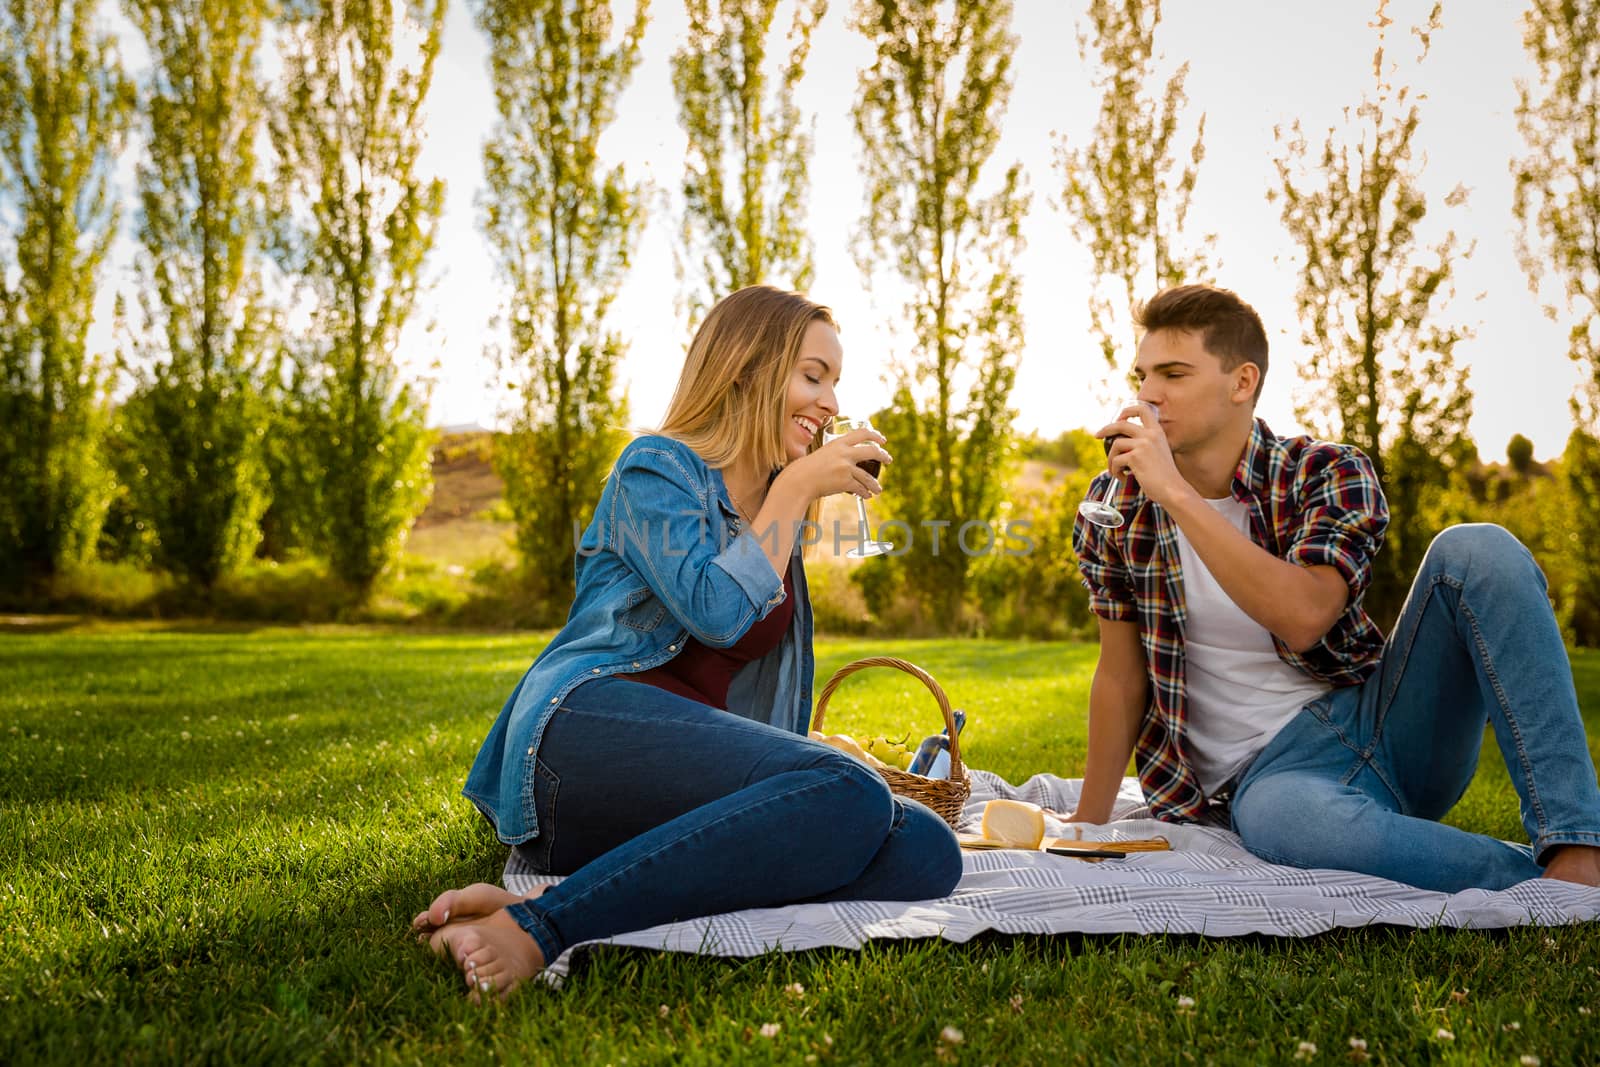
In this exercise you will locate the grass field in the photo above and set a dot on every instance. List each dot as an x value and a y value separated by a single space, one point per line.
212 840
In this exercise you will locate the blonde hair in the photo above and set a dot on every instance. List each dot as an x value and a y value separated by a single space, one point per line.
731 396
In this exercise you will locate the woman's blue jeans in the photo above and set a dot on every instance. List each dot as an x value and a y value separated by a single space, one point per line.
1359 780
660 809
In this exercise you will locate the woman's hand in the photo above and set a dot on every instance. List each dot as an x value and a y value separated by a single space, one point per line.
835 467
831 469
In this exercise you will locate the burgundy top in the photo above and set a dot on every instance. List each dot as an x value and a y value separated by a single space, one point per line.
703 673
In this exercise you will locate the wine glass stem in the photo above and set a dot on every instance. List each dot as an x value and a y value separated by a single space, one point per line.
1111 490
861 510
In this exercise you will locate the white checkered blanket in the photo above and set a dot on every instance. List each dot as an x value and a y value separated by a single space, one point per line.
1208 884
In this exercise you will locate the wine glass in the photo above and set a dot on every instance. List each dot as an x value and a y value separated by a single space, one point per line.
1100 512
836 428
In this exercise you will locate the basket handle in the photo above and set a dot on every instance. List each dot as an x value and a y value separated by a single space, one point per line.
916 672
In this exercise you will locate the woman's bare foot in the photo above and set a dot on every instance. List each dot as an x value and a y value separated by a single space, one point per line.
494 953
473 902
1575 863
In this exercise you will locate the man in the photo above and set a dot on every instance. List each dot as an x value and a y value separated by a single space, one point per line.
1237 664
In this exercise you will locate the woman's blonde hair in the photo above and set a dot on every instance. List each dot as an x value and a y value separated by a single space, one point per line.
734 389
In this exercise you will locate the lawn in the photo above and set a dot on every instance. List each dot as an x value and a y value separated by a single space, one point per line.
212 840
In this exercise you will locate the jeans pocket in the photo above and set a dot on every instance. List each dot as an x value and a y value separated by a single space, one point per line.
536 850
1321 709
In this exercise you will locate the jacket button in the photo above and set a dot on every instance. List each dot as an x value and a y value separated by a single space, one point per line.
596 671
530 750
555 700
635 664
672 648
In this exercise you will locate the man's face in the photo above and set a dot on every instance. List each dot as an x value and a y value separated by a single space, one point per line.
1197 398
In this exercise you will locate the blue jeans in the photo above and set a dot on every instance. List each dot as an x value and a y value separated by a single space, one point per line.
1359 780
660 809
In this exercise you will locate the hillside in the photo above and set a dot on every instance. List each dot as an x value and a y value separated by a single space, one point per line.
461 526
465 524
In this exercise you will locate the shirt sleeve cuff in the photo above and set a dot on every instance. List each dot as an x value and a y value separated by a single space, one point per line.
1110 608
748 566
1113 610
1323 554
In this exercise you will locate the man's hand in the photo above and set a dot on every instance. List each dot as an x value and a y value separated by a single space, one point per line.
1142 452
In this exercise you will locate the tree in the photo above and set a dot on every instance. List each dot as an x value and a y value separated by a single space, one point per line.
1581 480
561 226
202 225
294 523
1032 586
1519 453
928 113
1124 191
1557 202
745 182
348 135
1382 371
64 109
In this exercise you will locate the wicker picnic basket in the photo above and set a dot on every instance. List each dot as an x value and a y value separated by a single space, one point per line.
944 795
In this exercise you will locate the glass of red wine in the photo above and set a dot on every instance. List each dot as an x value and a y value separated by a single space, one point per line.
1101 512
837 428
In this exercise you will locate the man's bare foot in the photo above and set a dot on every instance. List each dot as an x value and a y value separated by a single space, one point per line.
473 902
494 953
1575 863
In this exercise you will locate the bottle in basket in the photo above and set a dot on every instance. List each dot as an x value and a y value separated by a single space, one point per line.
933 755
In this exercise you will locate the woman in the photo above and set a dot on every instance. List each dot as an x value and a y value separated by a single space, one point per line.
656 751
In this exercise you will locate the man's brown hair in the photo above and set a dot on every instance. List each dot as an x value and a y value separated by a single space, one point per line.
1229 328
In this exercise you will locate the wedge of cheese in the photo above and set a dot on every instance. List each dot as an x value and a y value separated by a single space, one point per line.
1015 824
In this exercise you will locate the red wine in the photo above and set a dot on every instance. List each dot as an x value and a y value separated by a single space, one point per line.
871 466
1109 441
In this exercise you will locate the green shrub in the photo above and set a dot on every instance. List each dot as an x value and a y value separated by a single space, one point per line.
837 605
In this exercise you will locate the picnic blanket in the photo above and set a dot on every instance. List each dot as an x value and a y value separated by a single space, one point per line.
1207 884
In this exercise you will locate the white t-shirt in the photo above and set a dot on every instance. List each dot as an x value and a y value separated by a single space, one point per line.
1240 693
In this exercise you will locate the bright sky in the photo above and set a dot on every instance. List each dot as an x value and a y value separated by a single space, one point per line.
1253 66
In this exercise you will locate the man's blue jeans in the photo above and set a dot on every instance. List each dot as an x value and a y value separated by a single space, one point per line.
1359 779
661 809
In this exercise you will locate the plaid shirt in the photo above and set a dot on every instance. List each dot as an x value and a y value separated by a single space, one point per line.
1310 503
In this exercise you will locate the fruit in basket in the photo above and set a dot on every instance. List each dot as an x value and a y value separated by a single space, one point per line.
875 751
848 745
894 753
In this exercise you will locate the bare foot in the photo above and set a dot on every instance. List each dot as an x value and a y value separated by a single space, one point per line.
494 953
473 902
1575 863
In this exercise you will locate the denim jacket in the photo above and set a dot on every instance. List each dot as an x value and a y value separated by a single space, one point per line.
663 560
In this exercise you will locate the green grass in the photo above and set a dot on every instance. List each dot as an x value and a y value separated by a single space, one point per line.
212 840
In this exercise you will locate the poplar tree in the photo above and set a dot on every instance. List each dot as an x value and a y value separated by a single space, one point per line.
1557 203
928 114
198 412
1381 370
64 110
349 134
1126 191
561 226
745 182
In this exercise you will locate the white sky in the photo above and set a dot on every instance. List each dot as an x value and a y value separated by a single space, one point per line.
1252 66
